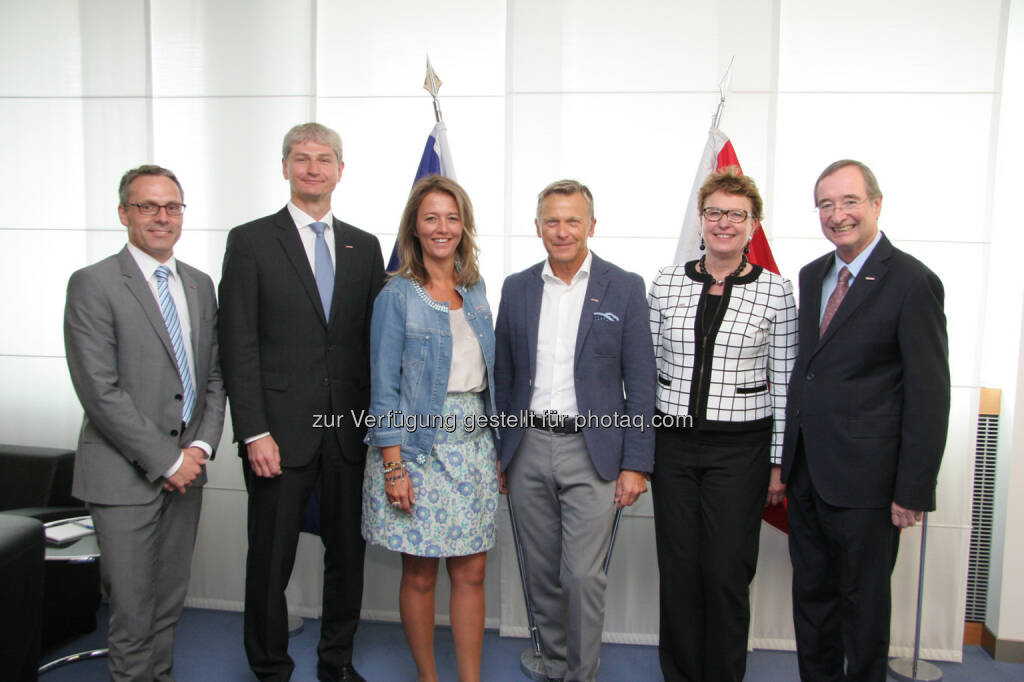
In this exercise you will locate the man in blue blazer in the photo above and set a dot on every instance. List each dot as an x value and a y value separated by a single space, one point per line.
865 427
574 377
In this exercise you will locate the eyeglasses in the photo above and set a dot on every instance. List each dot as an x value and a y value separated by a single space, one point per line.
735 215
847 205
146 208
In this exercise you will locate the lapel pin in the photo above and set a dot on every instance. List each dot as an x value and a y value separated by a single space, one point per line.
870 278
349 246
594 300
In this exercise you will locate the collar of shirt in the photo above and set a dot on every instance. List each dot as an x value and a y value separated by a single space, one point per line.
828 284
548 275
302 221
148 264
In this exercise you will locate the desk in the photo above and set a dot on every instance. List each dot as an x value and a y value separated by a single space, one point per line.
85 549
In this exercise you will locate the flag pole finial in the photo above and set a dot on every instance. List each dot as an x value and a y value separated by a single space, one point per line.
724 89
432 84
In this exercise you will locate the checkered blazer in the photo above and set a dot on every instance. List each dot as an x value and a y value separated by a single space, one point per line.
742 365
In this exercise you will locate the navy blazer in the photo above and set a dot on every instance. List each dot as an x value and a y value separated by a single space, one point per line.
614 364
871 398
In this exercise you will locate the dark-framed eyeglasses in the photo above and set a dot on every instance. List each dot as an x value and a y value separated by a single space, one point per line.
146 208
735 215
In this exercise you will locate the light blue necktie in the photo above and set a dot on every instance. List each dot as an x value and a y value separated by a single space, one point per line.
170 314
323 269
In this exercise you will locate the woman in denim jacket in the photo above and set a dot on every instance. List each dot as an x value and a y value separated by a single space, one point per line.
430 489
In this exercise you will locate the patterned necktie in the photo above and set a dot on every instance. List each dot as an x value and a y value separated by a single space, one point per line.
838 294
170 314
323 269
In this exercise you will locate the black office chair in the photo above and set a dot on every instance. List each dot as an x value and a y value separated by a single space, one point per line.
36 482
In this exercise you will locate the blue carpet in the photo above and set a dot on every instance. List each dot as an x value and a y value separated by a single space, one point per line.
209 647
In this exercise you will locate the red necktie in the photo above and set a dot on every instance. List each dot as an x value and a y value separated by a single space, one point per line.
838 294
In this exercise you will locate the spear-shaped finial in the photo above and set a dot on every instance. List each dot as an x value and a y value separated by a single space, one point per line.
432 84
724 88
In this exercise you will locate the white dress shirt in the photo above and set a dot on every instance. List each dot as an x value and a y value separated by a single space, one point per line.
308 236
554 387
148 265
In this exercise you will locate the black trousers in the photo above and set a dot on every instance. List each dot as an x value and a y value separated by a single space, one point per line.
276 508
709 492
842 564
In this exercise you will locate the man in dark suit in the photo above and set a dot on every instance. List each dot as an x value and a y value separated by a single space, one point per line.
296 297
140 330
573 351
865 427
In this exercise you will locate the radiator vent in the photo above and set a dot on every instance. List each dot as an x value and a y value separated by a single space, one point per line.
982 506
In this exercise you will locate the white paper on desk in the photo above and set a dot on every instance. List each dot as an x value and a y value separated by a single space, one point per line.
67 532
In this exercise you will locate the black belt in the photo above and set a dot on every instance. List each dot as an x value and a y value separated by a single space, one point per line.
561 424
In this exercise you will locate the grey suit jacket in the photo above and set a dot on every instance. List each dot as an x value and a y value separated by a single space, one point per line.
123 370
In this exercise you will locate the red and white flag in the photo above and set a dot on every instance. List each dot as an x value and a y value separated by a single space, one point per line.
718 154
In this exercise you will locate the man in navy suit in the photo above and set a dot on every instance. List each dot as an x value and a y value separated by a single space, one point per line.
574 356
865 427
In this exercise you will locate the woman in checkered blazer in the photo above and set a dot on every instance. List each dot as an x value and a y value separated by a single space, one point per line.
725 338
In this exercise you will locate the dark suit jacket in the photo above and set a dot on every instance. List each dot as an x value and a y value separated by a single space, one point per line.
124 372
613 353
871 398
283 363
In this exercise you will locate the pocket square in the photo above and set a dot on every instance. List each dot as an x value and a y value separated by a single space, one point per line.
611 317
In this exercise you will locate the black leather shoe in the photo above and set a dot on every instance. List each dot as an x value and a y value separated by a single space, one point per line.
347 673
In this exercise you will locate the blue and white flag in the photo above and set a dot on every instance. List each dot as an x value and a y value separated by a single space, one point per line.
436 160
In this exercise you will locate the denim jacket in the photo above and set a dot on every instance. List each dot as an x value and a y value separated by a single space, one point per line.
410 360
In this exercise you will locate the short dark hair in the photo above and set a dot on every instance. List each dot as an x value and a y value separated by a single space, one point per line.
149 169
870 181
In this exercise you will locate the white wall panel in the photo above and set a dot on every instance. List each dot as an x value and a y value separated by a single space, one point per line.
37 402
380 48
877 45
636 153
116 136
232 48
33 312
44 41
41 181
920 147
576 46
227 154
115 48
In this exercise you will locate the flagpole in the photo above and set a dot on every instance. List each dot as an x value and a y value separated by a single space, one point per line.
432 84
724 86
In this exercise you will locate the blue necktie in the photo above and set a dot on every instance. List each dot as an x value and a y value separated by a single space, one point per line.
170 314
323 269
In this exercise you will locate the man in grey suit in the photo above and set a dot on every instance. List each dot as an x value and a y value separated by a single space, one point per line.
140 331
574 356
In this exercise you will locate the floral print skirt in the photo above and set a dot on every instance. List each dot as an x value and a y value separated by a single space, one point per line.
455 489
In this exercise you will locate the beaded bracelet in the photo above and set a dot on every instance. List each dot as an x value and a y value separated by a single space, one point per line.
392 466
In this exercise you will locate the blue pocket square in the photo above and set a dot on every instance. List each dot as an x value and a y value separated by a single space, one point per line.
611 317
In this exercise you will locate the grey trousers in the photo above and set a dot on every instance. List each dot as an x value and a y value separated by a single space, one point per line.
145 560
565 513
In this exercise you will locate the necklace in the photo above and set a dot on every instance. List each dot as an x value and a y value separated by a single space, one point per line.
721 282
